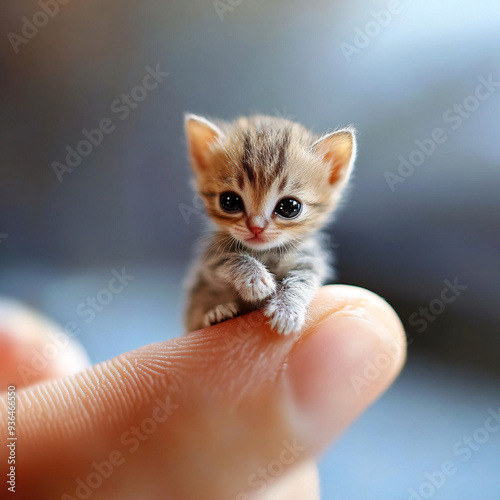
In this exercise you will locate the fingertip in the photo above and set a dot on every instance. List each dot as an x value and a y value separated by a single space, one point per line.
33 348
345 361
353 301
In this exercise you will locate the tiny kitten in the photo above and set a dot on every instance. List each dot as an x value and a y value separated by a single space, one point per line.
269 185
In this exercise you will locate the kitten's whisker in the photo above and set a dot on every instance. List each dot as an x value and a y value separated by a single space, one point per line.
222 245
217 242
228 242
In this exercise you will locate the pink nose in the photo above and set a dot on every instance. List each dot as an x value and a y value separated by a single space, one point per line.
256 229
256 224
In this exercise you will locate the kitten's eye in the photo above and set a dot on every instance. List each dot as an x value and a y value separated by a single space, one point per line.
288 208
231 202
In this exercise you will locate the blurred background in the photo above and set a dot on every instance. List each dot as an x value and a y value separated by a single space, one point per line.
420 81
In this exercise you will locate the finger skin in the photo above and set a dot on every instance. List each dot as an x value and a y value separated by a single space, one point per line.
210 415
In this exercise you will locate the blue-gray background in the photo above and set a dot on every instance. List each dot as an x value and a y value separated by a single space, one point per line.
123 205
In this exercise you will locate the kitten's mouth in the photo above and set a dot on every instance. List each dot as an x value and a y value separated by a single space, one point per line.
255 239
259 241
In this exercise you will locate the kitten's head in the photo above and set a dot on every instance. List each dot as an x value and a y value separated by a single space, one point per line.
268 181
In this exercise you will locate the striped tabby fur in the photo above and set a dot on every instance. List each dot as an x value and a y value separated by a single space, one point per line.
255 258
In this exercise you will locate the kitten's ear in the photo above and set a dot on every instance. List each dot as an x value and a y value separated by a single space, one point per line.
200 133
339 151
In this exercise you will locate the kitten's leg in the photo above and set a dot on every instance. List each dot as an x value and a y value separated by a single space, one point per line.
205 295
287 309
247 278
250 278
220 313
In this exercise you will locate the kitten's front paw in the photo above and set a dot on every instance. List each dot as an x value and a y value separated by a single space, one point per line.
257 286
284 318
220 313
